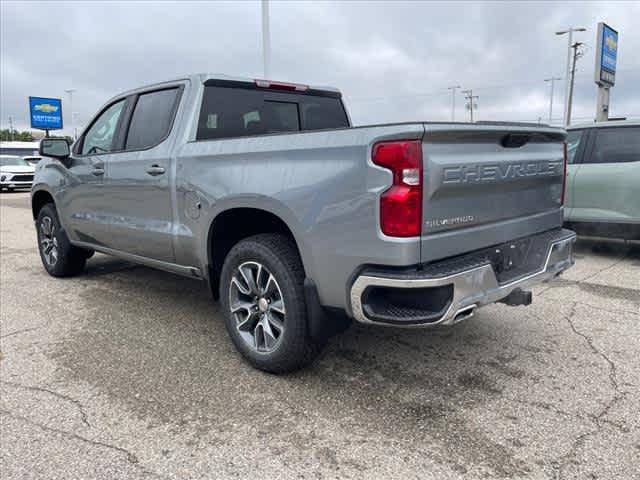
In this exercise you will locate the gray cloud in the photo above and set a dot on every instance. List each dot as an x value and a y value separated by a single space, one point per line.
392 60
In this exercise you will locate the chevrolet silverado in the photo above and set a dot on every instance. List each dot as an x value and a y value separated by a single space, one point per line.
298 220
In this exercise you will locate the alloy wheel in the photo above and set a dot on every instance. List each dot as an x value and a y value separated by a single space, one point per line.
257 305
48 241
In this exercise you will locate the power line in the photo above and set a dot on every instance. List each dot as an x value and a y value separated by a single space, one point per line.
445 90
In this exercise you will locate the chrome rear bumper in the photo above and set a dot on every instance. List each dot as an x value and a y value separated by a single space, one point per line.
473 286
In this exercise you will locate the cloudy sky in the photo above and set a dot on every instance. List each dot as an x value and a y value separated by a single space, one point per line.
392 60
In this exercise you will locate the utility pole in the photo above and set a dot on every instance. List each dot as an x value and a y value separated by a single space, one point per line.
576 55
469 96
552 80
266 39
453 101
570 31
70 92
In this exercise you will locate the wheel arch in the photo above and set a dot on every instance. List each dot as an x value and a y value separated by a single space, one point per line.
232 225
39 199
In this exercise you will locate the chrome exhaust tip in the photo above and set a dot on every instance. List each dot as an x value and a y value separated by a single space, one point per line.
464 313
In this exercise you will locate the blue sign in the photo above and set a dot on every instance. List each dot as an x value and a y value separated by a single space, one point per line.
609 49
45 113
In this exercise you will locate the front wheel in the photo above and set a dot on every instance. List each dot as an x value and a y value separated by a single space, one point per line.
261 290
59 257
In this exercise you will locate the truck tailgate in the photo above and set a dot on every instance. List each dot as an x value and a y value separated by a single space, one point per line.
485 184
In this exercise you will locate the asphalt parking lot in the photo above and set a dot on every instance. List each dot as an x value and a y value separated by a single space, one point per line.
127 372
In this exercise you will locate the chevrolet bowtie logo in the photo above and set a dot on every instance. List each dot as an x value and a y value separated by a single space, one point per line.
45 107
611 42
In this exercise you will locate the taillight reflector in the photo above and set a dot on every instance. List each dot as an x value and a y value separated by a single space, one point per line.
401 204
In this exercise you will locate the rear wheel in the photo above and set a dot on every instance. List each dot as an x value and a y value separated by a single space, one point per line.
261 290
59 257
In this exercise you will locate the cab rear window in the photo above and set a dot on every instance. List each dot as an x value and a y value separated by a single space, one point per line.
229 112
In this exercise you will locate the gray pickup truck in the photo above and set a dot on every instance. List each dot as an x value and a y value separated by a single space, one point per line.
300 222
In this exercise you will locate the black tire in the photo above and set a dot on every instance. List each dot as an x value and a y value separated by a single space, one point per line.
295 348
69 260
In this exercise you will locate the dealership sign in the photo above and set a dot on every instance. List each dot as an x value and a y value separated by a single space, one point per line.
606 55
45 113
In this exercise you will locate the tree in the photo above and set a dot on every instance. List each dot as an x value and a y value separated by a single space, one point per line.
7 135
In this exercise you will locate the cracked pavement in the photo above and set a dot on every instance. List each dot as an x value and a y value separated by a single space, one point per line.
126 372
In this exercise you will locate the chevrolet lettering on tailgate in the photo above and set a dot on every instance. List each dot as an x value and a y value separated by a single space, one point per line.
494 172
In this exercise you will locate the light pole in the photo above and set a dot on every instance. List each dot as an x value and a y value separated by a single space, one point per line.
552 80
453 100
74 120
266 40
70 92
570 31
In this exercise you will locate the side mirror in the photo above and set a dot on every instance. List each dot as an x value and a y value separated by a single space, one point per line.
55 147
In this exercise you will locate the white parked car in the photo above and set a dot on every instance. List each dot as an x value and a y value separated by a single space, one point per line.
15 172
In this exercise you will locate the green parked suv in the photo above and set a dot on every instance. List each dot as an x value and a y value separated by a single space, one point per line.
603 179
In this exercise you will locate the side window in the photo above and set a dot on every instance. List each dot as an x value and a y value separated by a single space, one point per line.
152 118
574 139
616 145
99 138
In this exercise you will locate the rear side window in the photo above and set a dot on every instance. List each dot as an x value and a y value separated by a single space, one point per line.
240 112
152 118
616 145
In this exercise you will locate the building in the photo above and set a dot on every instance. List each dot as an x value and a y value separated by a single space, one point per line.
21 149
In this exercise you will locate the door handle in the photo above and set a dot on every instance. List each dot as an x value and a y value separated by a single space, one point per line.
155 170
97 171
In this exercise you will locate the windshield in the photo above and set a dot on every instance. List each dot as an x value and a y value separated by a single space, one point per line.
6 161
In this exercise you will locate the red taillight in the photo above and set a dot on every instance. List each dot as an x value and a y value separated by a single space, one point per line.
401 204
564 172
290 87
